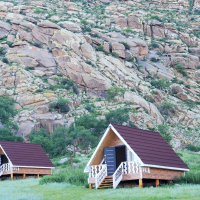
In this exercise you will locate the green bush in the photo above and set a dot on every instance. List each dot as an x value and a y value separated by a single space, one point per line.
100 48
114 54
189 178
191 147
40 11
166 107
114 91
153 59
125 45
162 83
61 105
5 60
163 130
29 68
180 68
83 21
2 51
73 176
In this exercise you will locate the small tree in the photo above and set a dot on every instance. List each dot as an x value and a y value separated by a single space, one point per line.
114 91
79 138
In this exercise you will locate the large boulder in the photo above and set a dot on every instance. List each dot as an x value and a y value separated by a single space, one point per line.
134 22
41 109
121 21
71 26
88 52
49 121
31 56
119 49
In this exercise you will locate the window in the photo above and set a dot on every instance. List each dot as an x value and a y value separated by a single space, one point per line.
131 156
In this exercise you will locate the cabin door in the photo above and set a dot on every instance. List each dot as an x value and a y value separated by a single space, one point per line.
110 160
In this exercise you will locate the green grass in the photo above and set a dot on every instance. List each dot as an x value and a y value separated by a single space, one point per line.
30 189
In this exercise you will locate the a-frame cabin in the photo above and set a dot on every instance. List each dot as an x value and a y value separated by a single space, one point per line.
126 153
21 159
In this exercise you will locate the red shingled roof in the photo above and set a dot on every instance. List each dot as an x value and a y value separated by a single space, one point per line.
150 146
26 154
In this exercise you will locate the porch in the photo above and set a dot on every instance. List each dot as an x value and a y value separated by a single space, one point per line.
98 174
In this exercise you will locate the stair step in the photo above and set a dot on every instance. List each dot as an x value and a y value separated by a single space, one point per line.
105 187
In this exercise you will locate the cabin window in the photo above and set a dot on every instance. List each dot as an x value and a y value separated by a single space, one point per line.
131 156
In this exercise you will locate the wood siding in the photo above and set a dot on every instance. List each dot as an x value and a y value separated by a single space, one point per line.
163 174
110 140
23 170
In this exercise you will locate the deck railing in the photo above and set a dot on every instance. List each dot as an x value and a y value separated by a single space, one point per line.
94 170
5 167
101 175
125 168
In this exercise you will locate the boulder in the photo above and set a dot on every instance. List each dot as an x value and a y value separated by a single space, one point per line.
48 24
26 128
121 21
41 109
71 26
5 26
49 121
119 49
31 56
134 22
88 52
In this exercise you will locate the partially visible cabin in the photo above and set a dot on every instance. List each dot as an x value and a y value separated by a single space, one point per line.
131 154
23 159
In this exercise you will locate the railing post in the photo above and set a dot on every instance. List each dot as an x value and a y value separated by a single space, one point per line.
140 183
157 182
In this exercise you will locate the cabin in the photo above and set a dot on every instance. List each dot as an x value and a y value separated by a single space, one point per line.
126 154
21 159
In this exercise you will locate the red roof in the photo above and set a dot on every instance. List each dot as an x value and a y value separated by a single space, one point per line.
26 154
150 146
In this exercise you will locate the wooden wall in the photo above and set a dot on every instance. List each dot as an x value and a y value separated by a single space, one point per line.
163 174
23 170
110 140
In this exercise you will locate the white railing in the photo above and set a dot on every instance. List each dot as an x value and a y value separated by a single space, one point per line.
101 175
125 168
118 175
94 170
4 167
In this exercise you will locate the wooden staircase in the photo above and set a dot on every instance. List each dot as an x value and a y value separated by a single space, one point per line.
106 183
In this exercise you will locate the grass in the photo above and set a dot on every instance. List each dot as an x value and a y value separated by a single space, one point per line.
30 189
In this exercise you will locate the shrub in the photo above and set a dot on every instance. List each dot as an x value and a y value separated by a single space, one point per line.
117 116
89 108
155 45
100 48
115 54
83 21
128 30
75 89
153 59
162 83
2 51
189 178
61 105
114 91
5 60
29 68
150 99
180 68
192 148
163 130
38 11
125 45
7 135
166 107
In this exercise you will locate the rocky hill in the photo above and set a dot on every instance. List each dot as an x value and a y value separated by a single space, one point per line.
144 54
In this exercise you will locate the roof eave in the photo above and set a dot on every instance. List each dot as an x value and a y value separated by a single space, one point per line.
165 167
34 167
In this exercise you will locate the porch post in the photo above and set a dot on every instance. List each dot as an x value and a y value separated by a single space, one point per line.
140 183
38 176
90 185
157 182
24 176
170 182
11 176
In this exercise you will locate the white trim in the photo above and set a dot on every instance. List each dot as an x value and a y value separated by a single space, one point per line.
6 156
34 167
165 167
102 139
